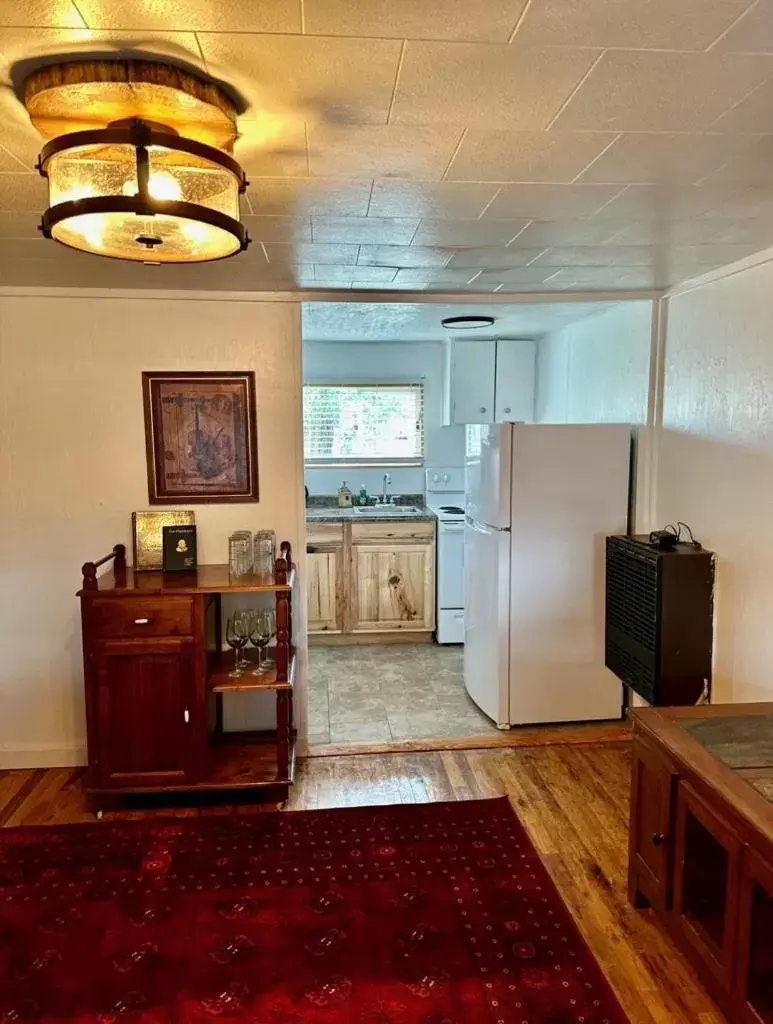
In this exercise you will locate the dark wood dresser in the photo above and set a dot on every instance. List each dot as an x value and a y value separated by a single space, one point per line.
701 844
155 677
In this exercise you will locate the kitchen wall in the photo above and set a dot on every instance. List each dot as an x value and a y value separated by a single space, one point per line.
716 461
370 361
72 465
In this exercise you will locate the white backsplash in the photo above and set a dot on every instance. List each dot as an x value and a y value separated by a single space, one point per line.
327 481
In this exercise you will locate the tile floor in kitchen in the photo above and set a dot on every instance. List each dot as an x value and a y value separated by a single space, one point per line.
392 692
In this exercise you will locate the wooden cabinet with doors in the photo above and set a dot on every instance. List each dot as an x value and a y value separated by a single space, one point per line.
156 677
701 844
371 581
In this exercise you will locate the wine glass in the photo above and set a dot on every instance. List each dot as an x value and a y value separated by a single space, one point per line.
260 634
269 662
237 634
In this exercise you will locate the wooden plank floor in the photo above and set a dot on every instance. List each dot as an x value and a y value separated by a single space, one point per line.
573 800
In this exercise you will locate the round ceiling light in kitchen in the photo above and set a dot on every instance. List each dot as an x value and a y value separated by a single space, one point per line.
467 323
138 161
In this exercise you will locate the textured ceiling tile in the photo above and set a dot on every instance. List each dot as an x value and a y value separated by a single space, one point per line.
748 164
339 79
275 149
670 156
380 152
521 279
20 225
196 15
492 21
668 233
311 252
23 191
401 255
45 13
753 33
427 278
752 114
306 196
564 232
664 202
493 259
526 156
444 200
467 232
486 86
641 90
608 278
278 229
370 275
598 256
371 230
549 202
654 24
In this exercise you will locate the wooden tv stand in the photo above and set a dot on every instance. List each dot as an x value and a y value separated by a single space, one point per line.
701 844
155 678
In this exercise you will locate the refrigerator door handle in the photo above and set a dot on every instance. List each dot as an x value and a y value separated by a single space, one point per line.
473 525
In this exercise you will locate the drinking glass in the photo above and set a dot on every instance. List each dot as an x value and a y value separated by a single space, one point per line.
264 553
240 553
260 634
237 634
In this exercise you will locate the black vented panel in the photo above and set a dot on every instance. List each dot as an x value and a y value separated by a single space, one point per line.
632 594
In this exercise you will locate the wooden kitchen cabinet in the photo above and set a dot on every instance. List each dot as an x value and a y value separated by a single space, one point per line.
490 381
393 587
755 940
323 572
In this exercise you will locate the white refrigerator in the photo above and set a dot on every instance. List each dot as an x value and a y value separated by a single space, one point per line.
539 503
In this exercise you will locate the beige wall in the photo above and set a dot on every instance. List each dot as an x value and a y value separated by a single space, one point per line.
716 461
72 470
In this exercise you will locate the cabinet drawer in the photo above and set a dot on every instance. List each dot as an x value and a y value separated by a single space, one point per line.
324 533
142 616
379 532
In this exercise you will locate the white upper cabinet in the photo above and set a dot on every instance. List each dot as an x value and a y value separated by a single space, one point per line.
490 381
471 373
514 385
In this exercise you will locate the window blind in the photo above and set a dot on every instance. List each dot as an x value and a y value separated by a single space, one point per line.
380 424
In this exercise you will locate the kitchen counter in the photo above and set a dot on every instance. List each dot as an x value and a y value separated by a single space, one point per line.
334 514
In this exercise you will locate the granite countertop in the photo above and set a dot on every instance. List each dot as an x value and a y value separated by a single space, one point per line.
377 514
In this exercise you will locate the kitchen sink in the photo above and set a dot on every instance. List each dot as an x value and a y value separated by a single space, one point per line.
387 510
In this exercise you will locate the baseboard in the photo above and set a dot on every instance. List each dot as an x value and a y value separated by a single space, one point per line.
352 639
43 757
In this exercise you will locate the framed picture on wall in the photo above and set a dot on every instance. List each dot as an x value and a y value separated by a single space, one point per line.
200 437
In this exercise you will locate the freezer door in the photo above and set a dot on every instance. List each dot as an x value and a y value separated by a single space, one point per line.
486 629
487 473
571 490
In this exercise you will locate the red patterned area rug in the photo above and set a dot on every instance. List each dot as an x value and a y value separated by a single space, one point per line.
415 914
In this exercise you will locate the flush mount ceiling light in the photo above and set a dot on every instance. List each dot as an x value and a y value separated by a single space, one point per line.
467 323
139 163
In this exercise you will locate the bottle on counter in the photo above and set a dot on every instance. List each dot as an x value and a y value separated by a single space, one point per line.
363 496
344 496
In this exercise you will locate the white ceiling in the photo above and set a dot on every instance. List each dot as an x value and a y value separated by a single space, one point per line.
452 145
410 321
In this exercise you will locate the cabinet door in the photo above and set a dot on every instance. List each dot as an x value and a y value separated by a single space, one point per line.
473 365
323 574
394 587
514 391
144 712
755 940
706 864
653 787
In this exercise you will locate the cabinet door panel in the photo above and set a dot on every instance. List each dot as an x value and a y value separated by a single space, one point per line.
514 398
144 711
394 587
755 940
323 569
472 381
706 865
653 784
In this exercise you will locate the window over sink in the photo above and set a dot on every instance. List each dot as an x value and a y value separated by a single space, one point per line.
376 424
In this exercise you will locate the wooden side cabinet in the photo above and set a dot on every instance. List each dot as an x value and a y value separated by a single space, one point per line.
653 783
156 677
754 978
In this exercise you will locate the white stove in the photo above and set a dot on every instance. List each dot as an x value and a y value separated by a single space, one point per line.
445 497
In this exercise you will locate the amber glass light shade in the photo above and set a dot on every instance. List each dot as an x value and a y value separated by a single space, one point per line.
132 192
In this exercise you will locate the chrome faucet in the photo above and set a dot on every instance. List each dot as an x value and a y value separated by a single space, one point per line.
385 490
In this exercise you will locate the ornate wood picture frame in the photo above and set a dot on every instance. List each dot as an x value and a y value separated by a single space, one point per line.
200 437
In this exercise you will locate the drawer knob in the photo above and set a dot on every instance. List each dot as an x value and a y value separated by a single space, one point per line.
658 839
142 622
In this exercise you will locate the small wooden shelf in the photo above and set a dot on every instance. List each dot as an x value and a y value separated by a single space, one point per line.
221 681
